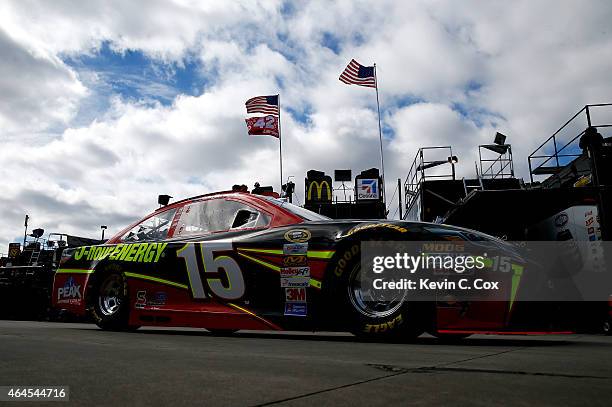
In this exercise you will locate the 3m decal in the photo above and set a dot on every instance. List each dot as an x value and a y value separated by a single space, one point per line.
296 309
295 294
222 275
295 272
136 252
295 282
298 235
295 248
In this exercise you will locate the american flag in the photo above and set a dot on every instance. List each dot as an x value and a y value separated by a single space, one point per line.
263 104
357 74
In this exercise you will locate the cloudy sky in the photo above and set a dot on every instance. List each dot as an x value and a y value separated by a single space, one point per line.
106 104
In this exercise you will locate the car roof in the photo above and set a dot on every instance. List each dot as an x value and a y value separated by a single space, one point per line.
212 194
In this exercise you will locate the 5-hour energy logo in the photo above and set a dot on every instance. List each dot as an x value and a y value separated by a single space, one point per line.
136 252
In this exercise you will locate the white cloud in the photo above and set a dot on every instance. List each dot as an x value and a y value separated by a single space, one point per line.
38 90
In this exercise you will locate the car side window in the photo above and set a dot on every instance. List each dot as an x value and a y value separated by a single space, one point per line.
217 215
154 228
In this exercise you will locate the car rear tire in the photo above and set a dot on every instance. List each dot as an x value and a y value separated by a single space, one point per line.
360 312
110 303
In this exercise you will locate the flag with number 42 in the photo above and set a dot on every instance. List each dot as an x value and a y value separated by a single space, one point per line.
262 126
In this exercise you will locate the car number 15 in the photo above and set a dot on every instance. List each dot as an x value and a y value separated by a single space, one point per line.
211 267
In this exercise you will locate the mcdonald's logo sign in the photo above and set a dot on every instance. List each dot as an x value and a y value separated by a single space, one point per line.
14 250
319 190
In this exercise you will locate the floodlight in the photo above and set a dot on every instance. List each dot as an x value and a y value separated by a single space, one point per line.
500 139
163 199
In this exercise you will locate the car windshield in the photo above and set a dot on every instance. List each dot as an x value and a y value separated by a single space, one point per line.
296 210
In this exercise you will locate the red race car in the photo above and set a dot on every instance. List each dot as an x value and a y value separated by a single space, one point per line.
235 260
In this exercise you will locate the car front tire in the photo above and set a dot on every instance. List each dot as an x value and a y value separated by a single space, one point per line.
361 315
110 303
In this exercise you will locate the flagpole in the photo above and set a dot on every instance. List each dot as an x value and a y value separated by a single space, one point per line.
382 158
280 146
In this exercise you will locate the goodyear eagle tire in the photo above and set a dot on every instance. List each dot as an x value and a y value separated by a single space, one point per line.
360 312
110 303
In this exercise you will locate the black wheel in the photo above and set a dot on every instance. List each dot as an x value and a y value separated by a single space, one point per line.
110 303
361 310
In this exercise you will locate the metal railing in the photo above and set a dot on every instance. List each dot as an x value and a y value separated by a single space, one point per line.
563 152
500 167
416 174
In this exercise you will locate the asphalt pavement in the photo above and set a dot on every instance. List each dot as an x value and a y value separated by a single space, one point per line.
155 366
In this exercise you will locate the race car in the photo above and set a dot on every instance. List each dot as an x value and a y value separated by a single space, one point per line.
236 260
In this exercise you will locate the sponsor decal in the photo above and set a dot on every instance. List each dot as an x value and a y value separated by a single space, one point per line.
375 226
295 294
296 309
295 260
296 282
298 235
70 293
159 298
141 299
295 248
561 220
295 272
135 252
367 189
385 326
